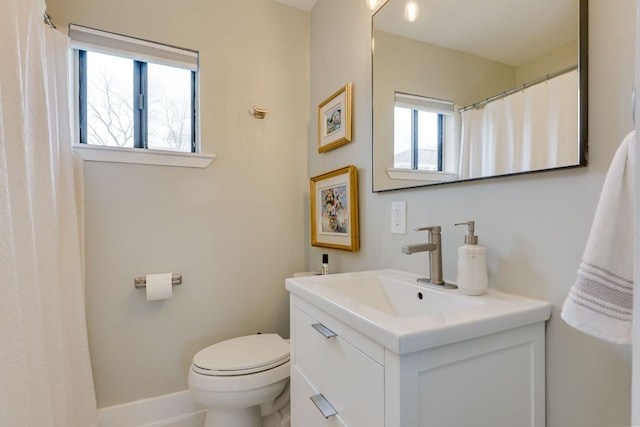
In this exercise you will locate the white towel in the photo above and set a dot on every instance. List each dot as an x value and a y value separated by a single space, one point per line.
600 303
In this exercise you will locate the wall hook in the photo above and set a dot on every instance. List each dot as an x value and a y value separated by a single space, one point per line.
259 113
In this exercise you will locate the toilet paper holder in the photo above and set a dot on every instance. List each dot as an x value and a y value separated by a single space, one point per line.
141 282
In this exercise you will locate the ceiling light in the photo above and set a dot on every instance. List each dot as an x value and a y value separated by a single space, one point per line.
411 10
372 4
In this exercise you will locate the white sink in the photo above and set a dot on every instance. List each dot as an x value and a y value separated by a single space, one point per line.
394 297
390 307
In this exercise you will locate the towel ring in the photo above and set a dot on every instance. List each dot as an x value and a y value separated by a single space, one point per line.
259 113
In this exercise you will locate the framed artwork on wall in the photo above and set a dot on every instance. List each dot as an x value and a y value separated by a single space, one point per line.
334 119
334 209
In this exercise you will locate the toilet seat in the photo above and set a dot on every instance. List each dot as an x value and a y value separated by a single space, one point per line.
242 356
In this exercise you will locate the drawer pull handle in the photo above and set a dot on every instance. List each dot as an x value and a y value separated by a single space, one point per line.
328 333
323 405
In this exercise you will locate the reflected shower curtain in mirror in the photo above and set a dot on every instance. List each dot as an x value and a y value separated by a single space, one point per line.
45 372
535 128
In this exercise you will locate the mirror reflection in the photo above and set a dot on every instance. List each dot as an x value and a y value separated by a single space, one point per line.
472 90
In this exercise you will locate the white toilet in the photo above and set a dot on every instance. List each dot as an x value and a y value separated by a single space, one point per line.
238 380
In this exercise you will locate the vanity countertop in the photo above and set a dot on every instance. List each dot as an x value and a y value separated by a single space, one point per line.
390 307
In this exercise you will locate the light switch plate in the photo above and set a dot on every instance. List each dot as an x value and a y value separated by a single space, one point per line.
399 217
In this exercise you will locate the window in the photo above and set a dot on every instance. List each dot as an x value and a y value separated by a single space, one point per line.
134 93
422 127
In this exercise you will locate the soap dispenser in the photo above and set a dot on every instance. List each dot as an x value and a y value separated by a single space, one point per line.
472 264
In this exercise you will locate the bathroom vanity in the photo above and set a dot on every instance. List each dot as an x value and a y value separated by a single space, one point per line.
375 349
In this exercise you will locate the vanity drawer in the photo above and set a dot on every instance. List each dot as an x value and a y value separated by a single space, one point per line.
351 382
304 412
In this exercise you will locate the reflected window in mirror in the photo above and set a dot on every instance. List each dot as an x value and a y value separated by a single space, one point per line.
423 128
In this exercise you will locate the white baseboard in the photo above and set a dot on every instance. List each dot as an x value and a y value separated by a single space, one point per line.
171 410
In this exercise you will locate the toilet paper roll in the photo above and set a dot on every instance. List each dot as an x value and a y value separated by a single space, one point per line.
159 286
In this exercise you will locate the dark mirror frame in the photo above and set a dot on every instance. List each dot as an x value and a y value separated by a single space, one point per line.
583 108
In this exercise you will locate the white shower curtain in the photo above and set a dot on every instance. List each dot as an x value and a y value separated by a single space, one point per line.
536 128
45 372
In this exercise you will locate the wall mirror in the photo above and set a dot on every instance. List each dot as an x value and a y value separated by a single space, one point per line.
474 90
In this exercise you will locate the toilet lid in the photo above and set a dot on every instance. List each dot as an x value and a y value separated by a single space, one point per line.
242 355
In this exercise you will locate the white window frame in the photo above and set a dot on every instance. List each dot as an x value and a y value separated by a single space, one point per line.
89 39
450 148
451 122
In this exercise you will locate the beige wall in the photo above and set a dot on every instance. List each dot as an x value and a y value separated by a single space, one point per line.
234 231
534 226
555 60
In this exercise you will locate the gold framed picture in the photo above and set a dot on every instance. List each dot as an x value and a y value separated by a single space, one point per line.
334 119
334 209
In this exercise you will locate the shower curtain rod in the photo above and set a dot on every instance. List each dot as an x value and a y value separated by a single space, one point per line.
519 88
47 20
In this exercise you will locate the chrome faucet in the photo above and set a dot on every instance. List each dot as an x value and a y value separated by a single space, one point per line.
434 247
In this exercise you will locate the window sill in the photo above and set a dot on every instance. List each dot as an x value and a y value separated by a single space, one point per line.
420 175
98 153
